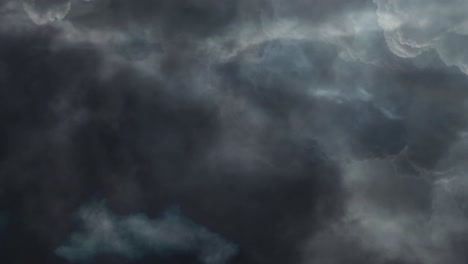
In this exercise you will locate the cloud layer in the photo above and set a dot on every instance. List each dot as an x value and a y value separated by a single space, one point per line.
298 131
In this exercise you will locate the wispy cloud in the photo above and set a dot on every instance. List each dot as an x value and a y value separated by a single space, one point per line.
135 236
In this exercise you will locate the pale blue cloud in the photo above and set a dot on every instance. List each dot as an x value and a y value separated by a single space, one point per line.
136 235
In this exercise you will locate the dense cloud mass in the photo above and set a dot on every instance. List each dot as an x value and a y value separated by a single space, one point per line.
283 131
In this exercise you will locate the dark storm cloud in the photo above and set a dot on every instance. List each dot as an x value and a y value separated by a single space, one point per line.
301 131
75 127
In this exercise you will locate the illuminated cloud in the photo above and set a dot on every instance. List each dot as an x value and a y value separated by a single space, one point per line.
42 12
412 27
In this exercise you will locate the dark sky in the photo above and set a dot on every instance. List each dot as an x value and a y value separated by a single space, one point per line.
233 132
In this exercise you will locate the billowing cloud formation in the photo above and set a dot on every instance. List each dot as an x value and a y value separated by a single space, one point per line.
47 11
134 236
412 27
42 12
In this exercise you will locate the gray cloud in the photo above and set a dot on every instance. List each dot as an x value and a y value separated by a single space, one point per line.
400 212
